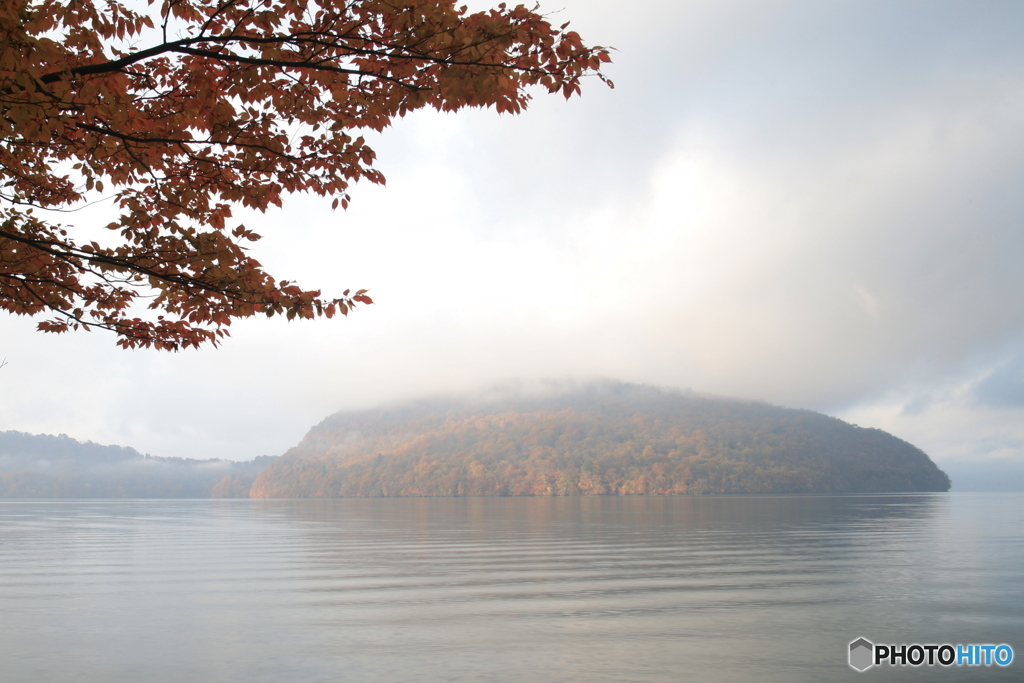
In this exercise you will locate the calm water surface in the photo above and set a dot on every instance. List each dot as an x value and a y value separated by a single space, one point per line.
765 588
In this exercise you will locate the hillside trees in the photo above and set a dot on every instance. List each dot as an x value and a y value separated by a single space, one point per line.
187 109
614 440
46 466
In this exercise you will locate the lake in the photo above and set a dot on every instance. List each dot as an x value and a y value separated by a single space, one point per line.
716 588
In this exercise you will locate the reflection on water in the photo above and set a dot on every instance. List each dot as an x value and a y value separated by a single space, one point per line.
503 589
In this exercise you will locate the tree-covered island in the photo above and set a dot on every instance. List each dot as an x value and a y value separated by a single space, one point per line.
606 439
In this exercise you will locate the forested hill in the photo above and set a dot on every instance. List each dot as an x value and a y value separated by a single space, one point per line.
605 439
45 466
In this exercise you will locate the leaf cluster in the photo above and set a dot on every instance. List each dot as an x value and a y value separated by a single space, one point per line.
184 112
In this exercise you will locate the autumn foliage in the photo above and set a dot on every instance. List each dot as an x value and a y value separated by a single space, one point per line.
182 112
614 440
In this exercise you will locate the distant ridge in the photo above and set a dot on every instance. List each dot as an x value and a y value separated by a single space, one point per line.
605 438
46 466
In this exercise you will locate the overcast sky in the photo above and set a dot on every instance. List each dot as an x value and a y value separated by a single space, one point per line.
819 205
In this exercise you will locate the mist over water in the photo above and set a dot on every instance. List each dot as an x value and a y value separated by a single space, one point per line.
766 588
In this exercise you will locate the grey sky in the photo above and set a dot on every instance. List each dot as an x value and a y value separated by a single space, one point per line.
813 204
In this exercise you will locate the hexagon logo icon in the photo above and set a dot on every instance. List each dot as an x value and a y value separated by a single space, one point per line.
862 654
